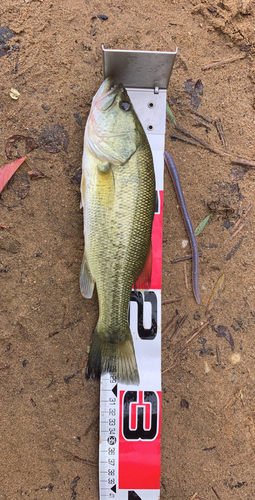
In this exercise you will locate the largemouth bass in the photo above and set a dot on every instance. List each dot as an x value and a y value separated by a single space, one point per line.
118 199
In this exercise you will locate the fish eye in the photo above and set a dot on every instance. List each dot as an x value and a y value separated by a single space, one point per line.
125 105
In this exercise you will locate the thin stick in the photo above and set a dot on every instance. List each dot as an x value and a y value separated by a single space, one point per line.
185 139
202 143
196 332
4 367
172 323
194 496
215 492
242 217
181 259
218 125
218 354
84 461
64 327
249 305
171 301
232 229
247 211
195 112
214 64
239 229
201 122
178 327
240 209
198 142
185 275
243 161
171 367
188 257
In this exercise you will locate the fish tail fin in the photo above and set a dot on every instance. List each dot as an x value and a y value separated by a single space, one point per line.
116 358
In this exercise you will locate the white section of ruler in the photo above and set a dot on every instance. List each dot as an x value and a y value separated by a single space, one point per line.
108 437
148 352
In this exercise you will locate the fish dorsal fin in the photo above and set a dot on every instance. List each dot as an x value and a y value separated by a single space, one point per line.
86 281
143 281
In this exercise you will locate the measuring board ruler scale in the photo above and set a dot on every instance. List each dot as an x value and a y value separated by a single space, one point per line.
130 415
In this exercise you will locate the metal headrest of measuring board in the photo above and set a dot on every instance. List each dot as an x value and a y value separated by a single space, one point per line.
139 69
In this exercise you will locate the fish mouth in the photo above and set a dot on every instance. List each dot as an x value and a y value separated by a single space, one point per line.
106 96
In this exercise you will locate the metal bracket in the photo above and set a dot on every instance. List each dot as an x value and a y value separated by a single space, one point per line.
139 69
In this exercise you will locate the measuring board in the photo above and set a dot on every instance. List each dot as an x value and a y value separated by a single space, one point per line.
130 415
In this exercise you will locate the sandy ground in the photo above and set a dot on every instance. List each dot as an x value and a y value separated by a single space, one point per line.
50 51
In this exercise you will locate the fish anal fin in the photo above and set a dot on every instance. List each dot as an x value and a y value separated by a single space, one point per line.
86 281
143 281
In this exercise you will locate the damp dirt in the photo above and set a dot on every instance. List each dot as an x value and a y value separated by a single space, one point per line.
50 52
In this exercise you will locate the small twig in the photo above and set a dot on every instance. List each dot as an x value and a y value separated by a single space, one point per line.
171 301
218 125
215 492
4 367
168 369
185 139
234 249
185 275
178 327
239 229
214 64
242 217
64 327
194 496
218 354
202 143
201 122
243 161
196 332
195 112
232 229
188 257
248 210
249 305
215 293
240 210
84 461
172 323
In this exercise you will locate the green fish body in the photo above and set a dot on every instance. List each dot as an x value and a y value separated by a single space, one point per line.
118 199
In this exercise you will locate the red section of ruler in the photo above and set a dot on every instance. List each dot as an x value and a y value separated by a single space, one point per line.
139 440
156 240
156 243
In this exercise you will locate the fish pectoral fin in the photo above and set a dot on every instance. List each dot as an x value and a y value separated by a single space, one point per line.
143 280
86 281
104 167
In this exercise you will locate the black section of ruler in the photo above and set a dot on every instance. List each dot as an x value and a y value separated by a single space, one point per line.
114 488
115 390
132 495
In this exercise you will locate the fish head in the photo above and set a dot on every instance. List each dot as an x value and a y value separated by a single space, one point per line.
113 131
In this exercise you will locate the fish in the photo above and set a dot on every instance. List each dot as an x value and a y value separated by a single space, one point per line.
118 200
